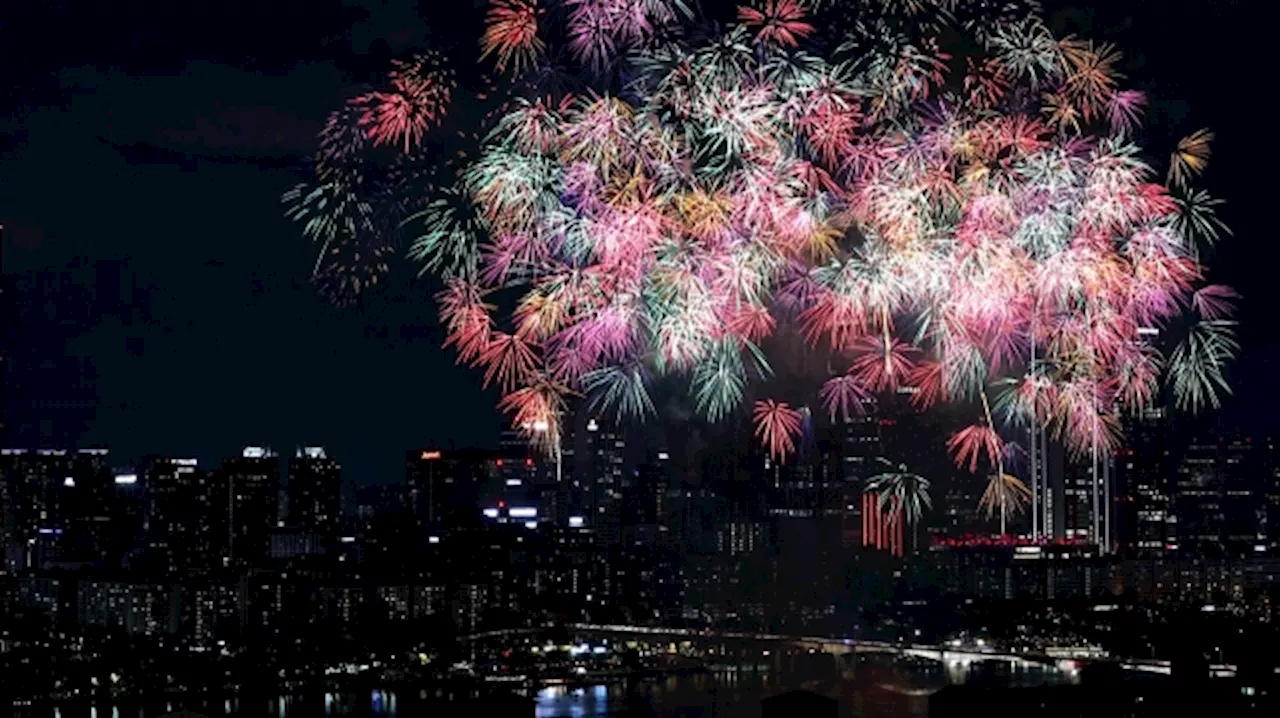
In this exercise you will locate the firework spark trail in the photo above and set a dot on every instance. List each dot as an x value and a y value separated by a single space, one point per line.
814 169
419 95
777 426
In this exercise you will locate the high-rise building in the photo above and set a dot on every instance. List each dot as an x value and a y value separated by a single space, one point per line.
1244 497
1220 498
178 526
246 505
86 515
604 457
861 442
424 470
55 507
1077 502
959 506
453 489
1270 477
315 491
1197 499
128 508
1144 515
35 484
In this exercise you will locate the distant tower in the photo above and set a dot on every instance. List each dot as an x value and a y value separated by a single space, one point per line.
315 491
247 500
605 451
1144 512
34 484
176 505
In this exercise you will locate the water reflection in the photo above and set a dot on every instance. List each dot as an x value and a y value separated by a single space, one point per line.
871 686
562 702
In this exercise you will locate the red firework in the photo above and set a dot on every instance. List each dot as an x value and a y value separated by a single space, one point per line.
777 425
419 98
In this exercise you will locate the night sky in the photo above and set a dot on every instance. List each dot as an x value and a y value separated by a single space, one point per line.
162 135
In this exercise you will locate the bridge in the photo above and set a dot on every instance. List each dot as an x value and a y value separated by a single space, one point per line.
836 646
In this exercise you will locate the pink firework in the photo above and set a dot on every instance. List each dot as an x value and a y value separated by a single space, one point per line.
974 443
777 426
781 22
537 410
511 33
419 97
941 227
508 359
843 396
1215 302
466 319
882 365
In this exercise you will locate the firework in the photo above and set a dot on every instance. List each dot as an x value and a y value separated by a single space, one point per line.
777 426
511 34
777 21
811 171
900 491
418 97
1190 157
345 271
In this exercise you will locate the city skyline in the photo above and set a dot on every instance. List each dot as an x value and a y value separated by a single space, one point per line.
637 359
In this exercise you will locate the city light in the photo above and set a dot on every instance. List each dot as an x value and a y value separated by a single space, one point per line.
491 513
514 482
126 478
522 512
69 482
430 455
575 521
433 539
531 524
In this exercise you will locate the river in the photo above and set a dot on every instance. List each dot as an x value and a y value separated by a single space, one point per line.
873 688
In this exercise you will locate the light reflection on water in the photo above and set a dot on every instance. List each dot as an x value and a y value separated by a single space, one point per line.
723 688
561 702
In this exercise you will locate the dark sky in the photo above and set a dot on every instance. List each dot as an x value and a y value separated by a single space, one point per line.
227 96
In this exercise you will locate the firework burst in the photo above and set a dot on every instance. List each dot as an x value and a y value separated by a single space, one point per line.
811 170
418 97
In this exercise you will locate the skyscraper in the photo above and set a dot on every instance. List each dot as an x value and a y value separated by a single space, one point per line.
247 492
127 507
315 491
1270 477
444 488
1244 497
605 452
1078 499
1197 499
86 515
177 503
1144 517
35 486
